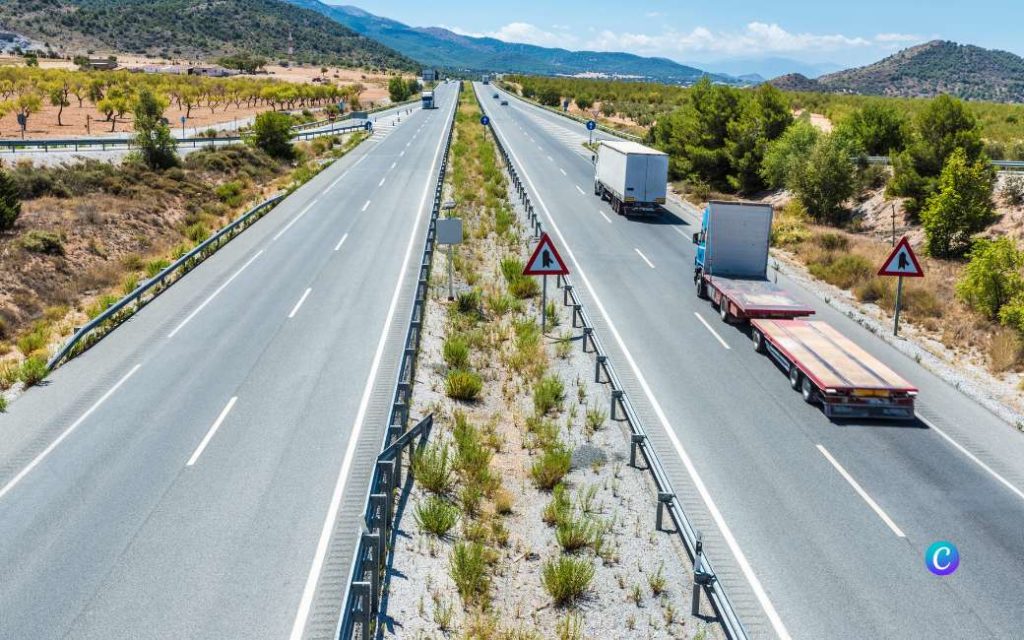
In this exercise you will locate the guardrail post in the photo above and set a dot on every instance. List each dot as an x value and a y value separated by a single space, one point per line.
566 294
635 440
587 337
361 594
616 400
577 313
598 363
664 498
371 542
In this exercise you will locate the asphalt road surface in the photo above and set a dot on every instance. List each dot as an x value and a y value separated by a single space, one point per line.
200 472
817 529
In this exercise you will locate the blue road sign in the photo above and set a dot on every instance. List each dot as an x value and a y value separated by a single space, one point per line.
183 119
591 125
485 121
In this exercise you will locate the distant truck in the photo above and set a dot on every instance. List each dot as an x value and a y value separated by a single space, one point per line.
428 99
731 263
828 368
634 178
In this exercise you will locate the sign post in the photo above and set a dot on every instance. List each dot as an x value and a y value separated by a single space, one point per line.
591 125
449 232
545 262
183 119
901 263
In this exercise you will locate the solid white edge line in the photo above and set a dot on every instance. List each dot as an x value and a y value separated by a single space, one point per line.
341 242
1006 483
295 219
299 303
582 192
643 257
680 232
862 493
365 206
605 216
213 295
712 330
727 535
306 602
213 429
53 445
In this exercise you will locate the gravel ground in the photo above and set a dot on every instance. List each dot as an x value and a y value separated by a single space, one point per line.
634 562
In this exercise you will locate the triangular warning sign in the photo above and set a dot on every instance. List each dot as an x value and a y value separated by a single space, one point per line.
902 262
545 260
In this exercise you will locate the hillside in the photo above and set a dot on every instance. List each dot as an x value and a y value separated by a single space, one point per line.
443 48
927 70
196 29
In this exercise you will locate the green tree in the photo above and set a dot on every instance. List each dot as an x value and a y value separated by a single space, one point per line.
787 151
961 206
584 102
763 118
992 277
549 97
824 179
945 125
152 134
695 134
59 98
271 132
412 87
10 201
398 89
877 128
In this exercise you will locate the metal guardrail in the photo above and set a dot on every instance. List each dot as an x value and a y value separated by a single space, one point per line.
704 577
361 602
1008 165
129 142
83 337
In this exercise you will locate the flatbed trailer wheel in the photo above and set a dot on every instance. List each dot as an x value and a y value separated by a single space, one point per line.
723 310
809 391
758 339
794 376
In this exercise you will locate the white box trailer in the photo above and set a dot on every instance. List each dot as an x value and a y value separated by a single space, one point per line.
634 178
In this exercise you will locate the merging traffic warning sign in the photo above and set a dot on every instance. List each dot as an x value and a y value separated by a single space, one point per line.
902 262
545 260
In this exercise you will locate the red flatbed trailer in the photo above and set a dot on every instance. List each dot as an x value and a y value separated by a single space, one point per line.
829 368
743 299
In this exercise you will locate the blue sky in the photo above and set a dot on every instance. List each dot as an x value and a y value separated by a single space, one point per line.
711 31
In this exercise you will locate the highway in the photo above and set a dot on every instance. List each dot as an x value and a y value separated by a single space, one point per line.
200 473
817 529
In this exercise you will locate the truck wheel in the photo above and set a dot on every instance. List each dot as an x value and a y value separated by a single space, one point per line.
758 339
794 376
597 189
809 391
723 310
702 288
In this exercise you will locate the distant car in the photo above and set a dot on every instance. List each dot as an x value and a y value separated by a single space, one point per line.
504 103
496 96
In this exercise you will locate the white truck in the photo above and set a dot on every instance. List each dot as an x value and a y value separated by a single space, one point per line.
634 178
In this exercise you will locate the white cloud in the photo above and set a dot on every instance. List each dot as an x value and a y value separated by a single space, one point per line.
526 33
897 38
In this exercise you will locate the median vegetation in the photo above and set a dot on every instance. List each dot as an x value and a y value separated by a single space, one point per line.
518 513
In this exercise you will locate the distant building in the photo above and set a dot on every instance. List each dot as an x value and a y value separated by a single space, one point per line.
102 64
430 75
213 71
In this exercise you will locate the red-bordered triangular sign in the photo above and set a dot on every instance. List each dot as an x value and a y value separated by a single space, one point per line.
545 260
902 262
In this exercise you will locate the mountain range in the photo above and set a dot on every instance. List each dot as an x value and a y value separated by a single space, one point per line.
437 47
927 70
196 29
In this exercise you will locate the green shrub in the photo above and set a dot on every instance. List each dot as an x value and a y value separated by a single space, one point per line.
524 287
463 385
432 468
45 242
154 267
456 352
196 232
271 132
559 507
436 516
548 470
468 569
3 403
845 271
33 341
548 394
595 418
33 371
992 276
231 193
575 533
10 201
469 301
567 578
